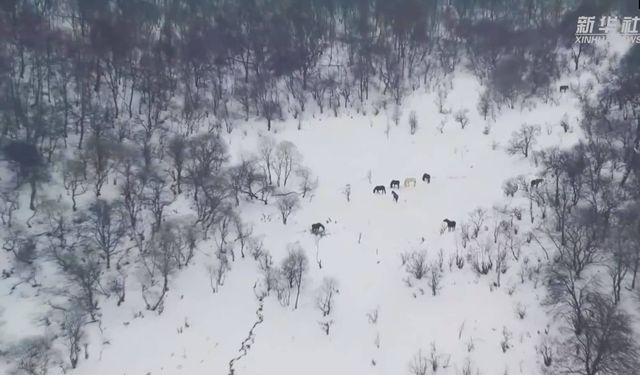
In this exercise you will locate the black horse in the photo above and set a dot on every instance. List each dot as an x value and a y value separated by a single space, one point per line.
317 228
451 225
426 177
394 184
395 196
379 190
536 182
564 88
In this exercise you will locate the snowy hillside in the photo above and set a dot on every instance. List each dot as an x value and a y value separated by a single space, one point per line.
257 188
466 321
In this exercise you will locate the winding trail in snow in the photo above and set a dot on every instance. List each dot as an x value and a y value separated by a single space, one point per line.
249 340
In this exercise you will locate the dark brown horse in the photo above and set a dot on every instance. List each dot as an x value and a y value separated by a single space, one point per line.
536 182
451 225
379 190
317 228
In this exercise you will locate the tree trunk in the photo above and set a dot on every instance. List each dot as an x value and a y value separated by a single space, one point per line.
32 200
297 296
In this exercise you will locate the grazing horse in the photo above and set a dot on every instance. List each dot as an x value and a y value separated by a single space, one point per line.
395 196
379 190
536 182
394 184
409 182
564 88
317 228
426 177
451 225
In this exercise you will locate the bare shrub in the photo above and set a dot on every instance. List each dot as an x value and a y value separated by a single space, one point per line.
435 278
416 264
326 294
419 364
462 118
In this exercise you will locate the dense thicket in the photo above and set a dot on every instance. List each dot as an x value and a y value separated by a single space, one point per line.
77 67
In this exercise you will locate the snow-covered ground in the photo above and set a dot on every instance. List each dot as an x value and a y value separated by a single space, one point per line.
200 332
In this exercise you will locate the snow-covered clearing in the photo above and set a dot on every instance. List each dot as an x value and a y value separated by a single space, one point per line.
200 332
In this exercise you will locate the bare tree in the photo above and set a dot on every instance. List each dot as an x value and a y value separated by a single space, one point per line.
222 235
156 197
513 243
465 233
107 228
485 106
441 99
243 235
522 140
501 263
570 295
396 114
435 278
132 188
207 154
294 268
606 345
633 232
245 179
582 241
286 161
73 325
218 272
307 183
24 247
325 295
413 122
161 257
269 103
620 259
476 220
177 151
31 356
271 274
212 204
287 204
99 152
80 263
9 203
30 166
75 178
266 152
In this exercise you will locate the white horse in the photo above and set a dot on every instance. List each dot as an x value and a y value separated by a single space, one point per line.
409 182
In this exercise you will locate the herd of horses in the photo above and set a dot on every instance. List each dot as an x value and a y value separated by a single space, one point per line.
395 184
318 228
